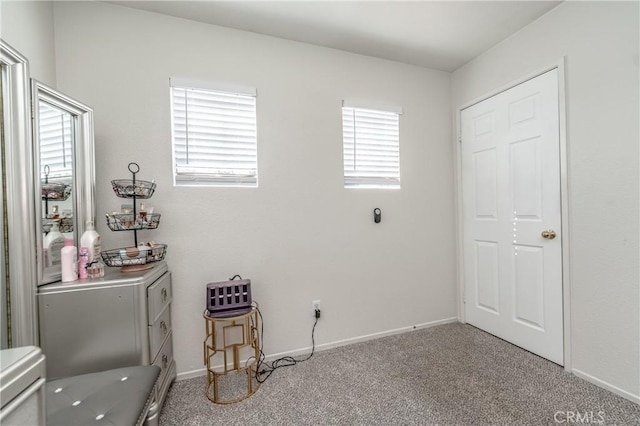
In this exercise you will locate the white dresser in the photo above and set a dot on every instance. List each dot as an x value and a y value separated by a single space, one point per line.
121 320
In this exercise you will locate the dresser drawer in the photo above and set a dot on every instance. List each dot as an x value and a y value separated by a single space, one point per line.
158 296
159 331
164 358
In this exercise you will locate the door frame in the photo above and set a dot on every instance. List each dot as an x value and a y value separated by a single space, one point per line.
560 65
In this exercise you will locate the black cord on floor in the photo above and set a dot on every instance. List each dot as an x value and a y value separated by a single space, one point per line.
264 369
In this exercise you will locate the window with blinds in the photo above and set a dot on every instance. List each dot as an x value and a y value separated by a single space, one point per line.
214 137
371 153
56 143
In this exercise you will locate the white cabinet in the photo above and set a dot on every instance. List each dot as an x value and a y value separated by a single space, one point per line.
121 320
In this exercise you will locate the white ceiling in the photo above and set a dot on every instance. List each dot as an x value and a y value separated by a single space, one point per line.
442 35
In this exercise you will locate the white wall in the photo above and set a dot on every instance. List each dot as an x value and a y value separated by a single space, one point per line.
299 236
28 27
600 42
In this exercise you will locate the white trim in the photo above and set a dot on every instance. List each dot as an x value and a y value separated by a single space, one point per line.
191 374
457 168
302 351
356 103
565 209
564 197
365 338
212 85
608 386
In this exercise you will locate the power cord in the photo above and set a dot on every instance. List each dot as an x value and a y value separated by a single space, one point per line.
264 369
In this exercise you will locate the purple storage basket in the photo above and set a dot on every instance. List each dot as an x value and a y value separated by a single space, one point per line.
228 298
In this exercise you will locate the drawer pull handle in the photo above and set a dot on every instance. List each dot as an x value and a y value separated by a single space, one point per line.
163 327
164 294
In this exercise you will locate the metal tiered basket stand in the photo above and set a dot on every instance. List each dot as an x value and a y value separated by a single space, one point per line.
133 258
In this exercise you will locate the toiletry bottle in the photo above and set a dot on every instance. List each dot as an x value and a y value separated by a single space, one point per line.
83 262
53 242
91 239
142 215
69 261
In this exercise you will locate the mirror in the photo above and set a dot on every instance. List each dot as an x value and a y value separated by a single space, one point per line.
63 134
17 263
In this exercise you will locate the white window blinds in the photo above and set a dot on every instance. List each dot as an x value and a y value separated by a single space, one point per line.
56 142
371 141
214 137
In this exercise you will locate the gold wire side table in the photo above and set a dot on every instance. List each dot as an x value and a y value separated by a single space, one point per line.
231 350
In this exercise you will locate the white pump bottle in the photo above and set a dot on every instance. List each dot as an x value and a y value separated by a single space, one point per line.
91 239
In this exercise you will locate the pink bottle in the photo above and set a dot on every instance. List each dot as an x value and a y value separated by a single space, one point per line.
69 261
83 262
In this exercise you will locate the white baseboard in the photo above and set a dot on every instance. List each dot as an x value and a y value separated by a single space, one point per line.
601 383
191 374
352 340
323 347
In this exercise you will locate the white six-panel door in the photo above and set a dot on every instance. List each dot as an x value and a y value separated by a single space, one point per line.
511 209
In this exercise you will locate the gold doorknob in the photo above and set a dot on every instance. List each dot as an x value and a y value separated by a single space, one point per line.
549 234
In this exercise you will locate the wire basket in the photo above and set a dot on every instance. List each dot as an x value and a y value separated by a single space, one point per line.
130 222
65 224
134 256
125 188
55 191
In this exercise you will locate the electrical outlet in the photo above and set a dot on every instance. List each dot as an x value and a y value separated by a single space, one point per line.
316 305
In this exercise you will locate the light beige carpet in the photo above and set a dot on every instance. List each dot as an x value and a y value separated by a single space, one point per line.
452 374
